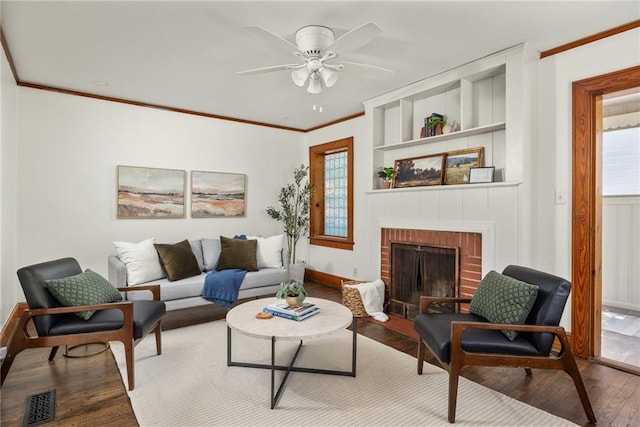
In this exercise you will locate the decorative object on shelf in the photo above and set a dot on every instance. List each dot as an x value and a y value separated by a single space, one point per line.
460 162
150 192
294 209
216 194
419 171
293 292
449 127
434 124
484 174
387 176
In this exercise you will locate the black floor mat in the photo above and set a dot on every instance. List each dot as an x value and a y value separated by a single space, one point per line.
40 408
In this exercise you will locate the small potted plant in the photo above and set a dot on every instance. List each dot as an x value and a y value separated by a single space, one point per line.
292 291
436 124
387 176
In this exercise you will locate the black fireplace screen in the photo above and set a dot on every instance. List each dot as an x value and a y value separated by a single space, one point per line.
422 269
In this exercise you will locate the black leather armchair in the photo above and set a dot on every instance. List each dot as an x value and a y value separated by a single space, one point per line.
56 325
461 339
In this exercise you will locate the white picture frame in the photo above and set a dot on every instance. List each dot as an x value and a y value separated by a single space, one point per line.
481 175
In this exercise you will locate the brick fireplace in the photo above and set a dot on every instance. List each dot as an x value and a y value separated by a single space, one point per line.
469 246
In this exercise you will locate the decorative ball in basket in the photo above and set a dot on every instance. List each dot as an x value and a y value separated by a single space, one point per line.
292 291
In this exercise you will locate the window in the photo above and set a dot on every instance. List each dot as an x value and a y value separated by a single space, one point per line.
331 173
621 162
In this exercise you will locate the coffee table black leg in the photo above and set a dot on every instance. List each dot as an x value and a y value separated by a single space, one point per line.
354 326
276 397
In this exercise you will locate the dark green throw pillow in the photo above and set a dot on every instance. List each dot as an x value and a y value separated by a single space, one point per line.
86 288
503 299
235 253
177 261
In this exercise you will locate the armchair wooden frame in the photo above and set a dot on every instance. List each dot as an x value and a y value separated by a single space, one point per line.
459 358
21 339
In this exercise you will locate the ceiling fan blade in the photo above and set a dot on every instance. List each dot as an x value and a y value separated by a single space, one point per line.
274 39
355 38
358 64
269 69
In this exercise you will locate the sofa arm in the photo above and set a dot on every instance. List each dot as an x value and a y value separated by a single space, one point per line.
117 272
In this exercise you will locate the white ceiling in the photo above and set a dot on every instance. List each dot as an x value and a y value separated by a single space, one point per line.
185 54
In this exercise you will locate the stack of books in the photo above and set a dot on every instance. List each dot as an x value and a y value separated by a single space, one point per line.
282 309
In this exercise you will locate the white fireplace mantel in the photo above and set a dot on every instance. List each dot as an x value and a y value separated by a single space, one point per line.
487 229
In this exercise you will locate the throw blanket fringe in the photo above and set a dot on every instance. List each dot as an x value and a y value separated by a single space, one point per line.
222 287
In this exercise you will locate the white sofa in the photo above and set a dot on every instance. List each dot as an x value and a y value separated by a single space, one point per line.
185 293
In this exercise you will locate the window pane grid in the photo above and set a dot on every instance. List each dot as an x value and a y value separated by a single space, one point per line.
335 194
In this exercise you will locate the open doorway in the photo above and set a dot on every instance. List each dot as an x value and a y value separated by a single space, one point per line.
620 325
586 227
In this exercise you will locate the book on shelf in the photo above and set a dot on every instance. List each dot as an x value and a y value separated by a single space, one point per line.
283 307
290 316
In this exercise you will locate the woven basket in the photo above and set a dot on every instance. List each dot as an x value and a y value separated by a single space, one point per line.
351 299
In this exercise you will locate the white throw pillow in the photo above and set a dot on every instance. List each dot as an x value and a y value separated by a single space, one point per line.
269 251
141 260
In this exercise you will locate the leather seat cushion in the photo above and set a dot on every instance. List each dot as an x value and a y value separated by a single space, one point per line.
435 331
145 315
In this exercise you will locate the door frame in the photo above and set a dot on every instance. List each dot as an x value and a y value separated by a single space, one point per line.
586 207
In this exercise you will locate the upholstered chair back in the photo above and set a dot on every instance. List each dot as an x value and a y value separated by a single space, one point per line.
38 296
553 292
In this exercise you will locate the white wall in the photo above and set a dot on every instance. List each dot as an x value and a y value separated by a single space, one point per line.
9 293
69 148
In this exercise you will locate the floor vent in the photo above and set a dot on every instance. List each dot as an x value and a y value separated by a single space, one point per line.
40 408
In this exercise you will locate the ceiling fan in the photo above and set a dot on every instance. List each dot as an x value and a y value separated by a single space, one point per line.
316 48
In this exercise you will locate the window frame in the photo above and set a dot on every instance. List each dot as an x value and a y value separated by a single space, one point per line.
317 154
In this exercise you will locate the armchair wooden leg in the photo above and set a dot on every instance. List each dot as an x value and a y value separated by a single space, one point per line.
422 348
453 393
571 368
53 352
528 372
17 342
158 331
128 351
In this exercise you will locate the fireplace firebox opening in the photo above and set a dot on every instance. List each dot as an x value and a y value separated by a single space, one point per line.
422 269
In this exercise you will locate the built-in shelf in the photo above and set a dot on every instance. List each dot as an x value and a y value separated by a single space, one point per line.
445 187
439 138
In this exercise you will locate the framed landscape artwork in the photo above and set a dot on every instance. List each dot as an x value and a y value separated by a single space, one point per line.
215 194
459 164
150 192
418 171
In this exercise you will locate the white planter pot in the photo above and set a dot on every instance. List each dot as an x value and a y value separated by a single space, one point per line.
296 272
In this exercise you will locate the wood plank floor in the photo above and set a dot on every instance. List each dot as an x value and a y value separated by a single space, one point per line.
90 391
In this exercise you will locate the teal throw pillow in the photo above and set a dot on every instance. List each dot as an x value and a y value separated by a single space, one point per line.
86 288
503 299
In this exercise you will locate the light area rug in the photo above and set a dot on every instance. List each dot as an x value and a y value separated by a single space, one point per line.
190 384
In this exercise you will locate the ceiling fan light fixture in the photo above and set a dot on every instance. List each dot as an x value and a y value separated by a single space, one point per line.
329 77
300 76
315 84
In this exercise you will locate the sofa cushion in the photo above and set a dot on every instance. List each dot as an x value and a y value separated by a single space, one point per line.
196 248
141 260
210 253
169 291
236 253
263 277
503 299
86 288
269 251
177 260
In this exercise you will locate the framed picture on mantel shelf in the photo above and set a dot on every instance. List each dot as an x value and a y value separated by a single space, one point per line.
459 164
418 171
481 175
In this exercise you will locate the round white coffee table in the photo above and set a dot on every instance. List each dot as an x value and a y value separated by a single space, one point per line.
331 318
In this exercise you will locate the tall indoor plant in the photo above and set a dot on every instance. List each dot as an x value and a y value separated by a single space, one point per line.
294 209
